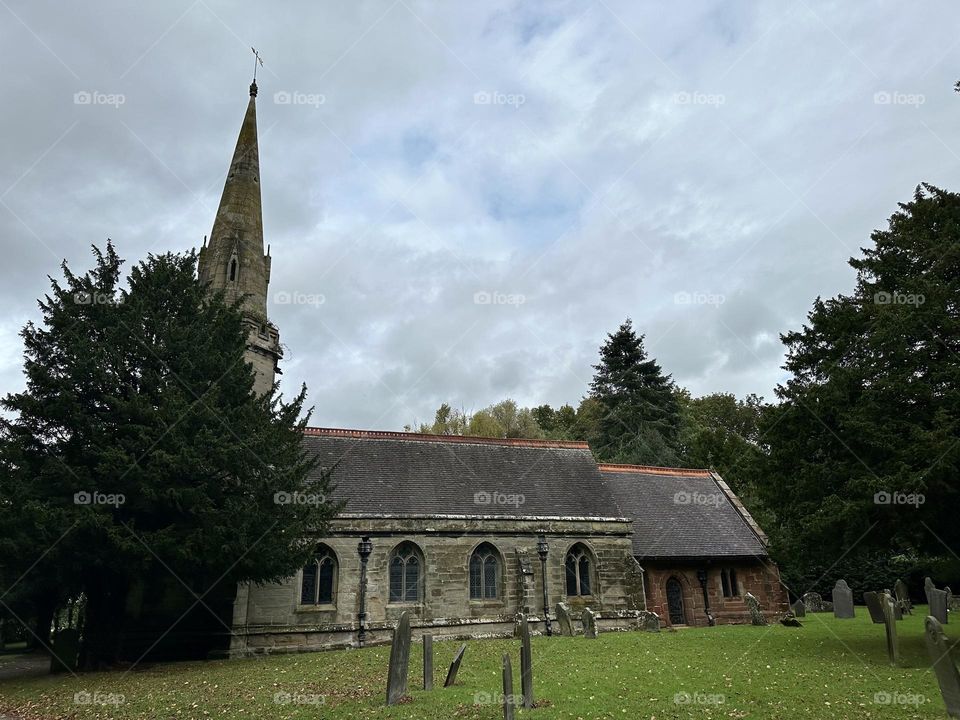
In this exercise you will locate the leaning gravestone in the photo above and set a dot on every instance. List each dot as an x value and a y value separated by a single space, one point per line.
526 664
563 617
589 622
507 688
798 609
648 620
66 651
947 675
902 592
455 667
813 602
428 662
872 601
756 614
887 604
399 660
843 601
938 605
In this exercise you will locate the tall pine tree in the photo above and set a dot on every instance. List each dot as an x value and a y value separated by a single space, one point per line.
639 419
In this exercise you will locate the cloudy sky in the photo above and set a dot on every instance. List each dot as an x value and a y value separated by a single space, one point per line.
463 198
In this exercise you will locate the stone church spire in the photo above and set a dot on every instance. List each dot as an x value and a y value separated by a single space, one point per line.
233 260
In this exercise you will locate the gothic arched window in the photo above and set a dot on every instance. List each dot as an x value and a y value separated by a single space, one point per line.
578 567
406 573
318 585
484 573
233 269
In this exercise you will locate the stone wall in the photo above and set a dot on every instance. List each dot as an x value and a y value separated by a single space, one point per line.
269 618
762 578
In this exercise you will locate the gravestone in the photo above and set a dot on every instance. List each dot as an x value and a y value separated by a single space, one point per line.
902 593
798 609
938 605
648 620
790 620
507 688
927 587
455 667
887 604
843 601
949 593
756 615
526 664
589 622
947 676
399 660
872 601
66 651
563 617
428 662
813 602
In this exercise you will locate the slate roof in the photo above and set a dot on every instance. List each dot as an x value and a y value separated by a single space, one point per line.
679 513
409 474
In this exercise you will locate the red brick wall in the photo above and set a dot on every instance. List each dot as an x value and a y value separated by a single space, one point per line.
761 579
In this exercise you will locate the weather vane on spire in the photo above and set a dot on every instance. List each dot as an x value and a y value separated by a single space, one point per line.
257 59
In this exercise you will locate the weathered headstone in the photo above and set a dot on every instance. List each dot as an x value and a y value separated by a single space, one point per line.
947 675
428 662
938 605
927 587
887 605
66 651
798 609
843 601
813 602
756 614
589 622
563 617
526 664
648 620
902 593
507 688
949 593
455 667
874 606
399 660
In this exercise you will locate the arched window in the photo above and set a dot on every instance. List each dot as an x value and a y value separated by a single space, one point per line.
484 573
233 269
406 573
319 583
578 567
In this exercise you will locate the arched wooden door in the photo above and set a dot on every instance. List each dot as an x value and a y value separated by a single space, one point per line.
675 602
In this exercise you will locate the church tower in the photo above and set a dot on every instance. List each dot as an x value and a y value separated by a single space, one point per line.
233 260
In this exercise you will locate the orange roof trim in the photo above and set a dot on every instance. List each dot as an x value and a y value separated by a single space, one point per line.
654 470
459 439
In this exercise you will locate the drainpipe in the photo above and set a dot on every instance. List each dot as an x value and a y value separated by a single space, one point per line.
702 577
542 550
364 548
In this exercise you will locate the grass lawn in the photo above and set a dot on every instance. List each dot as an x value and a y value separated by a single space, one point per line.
828 669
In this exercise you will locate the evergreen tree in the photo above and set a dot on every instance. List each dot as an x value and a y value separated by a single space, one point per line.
138 451
640 419
863 448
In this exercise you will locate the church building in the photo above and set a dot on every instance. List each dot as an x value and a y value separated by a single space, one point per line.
466 533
